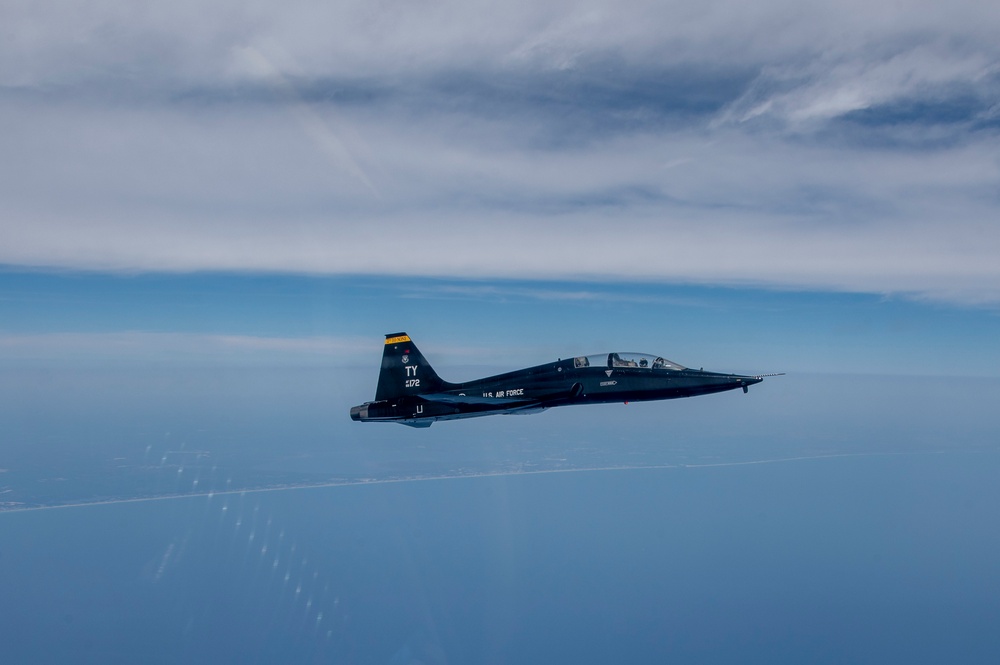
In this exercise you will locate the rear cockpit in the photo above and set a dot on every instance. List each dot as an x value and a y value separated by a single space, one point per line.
626 360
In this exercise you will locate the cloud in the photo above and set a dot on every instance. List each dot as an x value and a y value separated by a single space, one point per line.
311 122
847 148
117 349
509 293
825 88
173 348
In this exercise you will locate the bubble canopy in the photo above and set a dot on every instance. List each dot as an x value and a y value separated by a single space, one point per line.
627 360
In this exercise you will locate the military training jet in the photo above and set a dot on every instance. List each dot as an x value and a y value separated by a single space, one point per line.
411 393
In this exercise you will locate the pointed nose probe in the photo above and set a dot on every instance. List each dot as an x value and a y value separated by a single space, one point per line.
747 381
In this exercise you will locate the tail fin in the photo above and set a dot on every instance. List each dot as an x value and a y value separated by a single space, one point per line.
405 371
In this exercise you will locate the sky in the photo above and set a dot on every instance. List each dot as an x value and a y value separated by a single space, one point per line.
836 164
211 213
468 328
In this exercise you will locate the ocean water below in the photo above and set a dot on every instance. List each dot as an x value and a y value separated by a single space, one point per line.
861 559
238 515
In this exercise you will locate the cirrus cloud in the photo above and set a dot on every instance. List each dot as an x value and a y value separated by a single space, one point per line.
846 148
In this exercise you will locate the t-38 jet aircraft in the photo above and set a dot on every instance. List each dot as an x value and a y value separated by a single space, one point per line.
411 393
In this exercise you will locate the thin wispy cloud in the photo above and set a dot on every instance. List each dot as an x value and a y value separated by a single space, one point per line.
312 122
141 348
508 293
174 347
845 148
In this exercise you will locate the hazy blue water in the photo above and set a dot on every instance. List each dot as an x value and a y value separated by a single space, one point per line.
885 555
888 559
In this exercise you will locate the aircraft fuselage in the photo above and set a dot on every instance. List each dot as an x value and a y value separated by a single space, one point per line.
410 391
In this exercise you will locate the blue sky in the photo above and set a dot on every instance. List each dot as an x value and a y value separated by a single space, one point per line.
765 188
87 318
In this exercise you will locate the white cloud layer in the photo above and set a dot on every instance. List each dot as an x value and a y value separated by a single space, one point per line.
848 147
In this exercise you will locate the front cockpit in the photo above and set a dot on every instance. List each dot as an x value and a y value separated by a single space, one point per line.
626 360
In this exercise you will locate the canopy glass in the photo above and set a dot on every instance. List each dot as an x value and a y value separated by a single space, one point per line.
632 360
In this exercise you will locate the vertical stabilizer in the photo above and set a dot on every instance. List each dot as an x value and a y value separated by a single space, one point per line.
405 371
